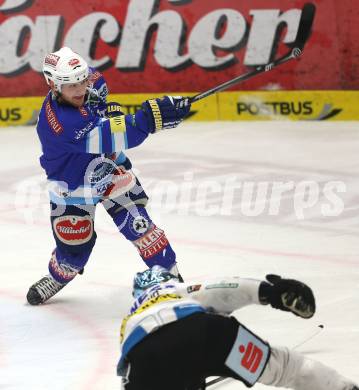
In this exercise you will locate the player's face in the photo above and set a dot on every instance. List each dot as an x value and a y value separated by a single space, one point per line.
74 94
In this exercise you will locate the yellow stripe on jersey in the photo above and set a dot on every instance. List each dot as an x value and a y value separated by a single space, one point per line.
145 306
117 123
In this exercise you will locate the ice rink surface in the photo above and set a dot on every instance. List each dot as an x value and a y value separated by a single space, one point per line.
199 178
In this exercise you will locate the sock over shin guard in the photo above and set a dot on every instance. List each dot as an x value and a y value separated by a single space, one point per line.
63 267
150 241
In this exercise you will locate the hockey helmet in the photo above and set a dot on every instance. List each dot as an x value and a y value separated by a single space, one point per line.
150 277
64 67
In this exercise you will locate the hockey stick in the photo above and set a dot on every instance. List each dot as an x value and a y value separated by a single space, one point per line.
304 31
308 338
320 328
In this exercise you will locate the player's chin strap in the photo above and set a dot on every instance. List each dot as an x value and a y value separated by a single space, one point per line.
56 94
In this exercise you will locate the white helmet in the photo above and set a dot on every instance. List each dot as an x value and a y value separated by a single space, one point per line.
64 67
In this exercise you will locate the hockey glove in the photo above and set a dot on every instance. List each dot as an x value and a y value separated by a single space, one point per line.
166 113
113 109
288 295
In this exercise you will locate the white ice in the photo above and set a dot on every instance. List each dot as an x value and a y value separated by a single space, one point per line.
72 342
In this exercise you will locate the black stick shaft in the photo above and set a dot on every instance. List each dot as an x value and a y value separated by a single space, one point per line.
216 380
304 31
260 69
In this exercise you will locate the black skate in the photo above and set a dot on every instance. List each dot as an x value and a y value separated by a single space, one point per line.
43 290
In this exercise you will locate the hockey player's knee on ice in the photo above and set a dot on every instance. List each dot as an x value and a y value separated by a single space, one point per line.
293 370
151 242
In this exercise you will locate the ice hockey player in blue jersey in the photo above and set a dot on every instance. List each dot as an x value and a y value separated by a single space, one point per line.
83 140
177 335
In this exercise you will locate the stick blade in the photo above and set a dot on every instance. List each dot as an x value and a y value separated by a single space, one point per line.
305 25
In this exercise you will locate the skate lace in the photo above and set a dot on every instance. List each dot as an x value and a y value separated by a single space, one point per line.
48 287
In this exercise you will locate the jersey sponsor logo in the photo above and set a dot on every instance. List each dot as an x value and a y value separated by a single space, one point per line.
122 182
193 288
81 133
73 229
102 188
149 293
52 119
252 356
155 291
153 242
248 356
103 171
222 285
52 60
139 225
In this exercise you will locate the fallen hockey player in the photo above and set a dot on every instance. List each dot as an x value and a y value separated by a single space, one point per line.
178 334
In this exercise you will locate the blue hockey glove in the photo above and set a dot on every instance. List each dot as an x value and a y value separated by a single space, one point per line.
167 112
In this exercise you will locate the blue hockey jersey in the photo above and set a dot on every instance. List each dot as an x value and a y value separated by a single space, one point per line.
81 147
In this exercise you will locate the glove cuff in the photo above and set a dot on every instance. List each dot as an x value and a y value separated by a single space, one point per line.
264 293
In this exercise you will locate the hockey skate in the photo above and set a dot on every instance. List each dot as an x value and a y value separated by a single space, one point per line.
43 290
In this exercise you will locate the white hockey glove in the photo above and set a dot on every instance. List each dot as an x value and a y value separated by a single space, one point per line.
288 295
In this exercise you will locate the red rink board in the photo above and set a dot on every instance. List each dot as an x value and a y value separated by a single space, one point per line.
159 46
